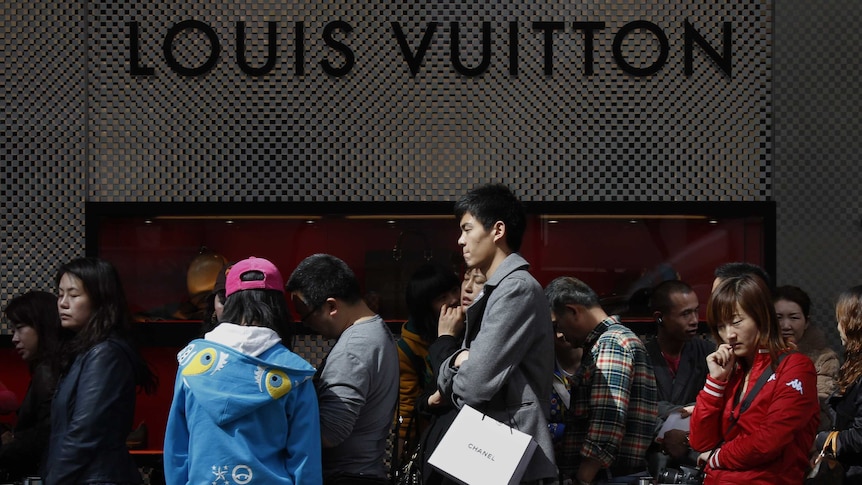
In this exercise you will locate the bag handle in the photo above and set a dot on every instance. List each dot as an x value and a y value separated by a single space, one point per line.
830 446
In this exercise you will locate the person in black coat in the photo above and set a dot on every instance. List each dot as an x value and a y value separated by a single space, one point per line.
37 337
846 401
678 356
94 406
450 327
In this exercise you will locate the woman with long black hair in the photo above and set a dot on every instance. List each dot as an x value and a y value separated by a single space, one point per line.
94 406
432 287
38 339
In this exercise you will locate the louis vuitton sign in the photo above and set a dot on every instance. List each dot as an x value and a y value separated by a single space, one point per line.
341 56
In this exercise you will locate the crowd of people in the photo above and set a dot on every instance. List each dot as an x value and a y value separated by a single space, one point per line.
85 373
752 402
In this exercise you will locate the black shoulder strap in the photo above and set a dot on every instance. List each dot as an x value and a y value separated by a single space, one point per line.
418 362
745 404
760 383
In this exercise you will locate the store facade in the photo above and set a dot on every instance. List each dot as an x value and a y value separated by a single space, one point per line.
122 113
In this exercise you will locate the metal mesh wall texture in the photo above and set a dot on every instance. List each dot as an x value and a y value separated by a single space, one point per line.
114 102
817 146
42 141
381 132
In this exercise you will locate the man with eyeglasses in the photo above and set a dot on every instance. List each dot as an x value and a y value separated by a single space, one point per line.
357 382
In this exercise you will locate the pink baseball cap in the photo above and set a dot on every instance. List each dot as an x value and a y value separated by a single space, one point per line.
272 279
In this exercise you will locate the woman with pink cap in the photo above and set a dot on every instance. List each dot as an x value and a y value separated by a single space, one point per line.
244 406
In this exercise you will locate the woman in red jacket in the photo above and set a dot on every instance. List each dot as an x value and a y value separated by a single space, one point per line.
750 435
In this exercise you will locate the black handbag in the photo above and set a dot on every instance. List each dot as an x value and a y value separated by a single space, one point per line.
827 469
410 471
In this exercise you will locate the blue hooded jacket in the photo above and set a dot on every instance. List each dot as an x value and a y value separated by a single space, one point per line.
237 418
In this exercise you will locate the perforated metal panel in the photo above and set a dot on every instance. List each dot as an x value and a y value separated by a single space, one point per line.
378 133
817 181
78 125
42 142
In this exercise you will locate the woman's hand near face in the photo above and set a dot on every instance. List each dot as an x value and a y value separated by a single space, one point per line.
451 321
721 362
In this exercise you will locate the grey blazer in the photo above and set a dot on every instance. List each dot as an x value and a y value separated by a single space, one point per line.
511 365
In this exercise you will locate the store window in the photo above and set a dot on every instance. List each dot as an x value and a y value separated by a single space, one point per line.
164 251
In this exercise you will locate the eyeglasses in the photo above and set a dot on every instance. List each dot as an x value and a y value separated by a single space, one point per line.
308 314
299 304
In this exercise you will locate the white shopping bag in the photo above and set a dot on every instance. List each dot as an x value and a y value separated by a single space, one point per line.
479 450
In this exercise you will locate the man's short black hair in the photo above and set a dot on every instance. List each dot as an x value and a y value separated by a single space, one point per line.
323 276
495 202
659 300
739 268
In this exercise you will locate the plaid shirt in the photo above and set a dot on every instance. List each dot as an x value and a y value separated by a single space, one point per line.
614 399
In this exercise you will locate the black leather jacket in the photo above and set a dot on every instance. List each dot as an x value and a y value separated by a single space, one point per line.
91 416
847 418
23 455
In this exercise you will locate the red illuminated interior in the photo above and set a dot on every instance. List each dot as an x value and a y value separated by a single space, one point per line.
614 254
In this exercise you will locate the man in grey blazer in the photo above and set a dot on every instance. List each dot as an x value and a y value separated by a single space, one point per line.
506 362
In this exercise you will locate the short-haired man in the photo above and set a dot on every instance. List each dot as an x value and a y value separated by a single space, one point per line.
357 383
678 357
614 402
505 364
739 268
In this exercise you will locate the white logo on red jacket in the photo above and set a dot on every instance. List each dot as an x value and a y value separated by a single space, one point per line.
796 384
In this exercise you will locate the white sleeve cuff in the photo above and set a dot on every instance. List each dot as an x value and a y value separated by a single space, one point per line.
713 460
714 388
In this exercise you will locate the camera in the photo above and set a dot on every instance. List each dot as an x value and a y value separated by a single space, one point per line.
685 474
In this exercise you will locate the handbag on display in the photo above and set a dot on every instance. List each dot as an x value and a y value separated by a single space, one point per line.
478 450
827 469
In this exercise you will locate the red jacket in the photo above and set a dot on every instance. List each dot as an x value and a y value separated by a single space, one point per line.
769 444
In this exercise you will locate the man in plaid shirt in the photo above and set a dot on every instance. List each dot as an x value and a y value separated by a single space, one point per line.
614 394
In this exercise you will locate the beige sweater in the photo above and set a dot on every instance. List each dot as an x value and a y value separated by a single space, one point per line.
814 345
